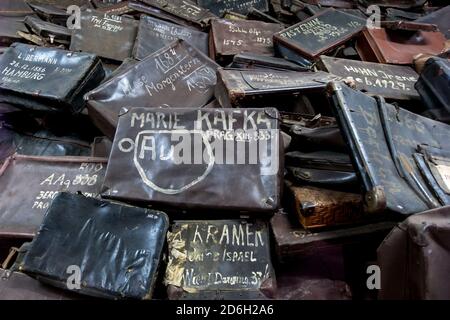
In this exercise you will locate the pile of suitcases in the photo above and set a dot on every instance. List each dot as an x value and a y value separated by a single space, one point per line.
241 149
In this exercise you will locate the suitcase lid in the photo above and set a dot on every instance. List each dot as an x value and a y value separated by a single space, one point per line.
219 7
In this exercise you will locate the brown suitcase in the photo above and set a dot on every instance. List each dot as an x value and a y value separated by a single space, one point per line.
177 75
318 207
391 45
220 7
190 158
388 81
219 259
108 36
415 258
228 38
291 240
29 184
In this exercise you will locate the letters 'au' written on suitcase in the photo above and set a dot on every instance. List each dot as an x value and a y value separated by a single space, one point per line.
221 259
320 33
31 183
192 158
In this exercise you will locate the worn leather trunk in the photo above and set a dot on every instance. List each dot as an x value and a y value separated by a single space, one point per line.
320 208
154 34
19 286
46 78
320 33
386 45
256 61
169 74
384 142
439 18
184 9
326 169
50 13
292 241
219 7
108 36
219 259
154 12
388 81
414 258
252 88
102 238
210 156
433 84
228 38
42 178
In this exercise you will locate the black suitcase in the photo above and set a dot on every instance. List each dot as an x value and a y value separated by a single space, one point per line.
108 36
46 78
30 183
219 259
385 142
433 87
177 75
117 249
191 158
219 7
319 34
388 81
154 34
250 88
52 33
184 9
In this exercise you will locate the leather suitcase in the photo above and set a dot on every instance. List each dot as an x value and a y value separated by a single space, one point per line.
253 88
219 7
319 34
108 36
256 61
414 258
154 12
323 208
228 38
255 14
163 79
46 78
399 43
219 259
30 183
291 241
326 136
117 248
154 34
18 286
184 9
204 155
325 169
388 81
384 141
433 84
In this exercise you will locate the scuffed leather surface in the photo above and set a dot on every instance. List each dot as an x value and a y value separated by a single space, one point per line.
116 247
